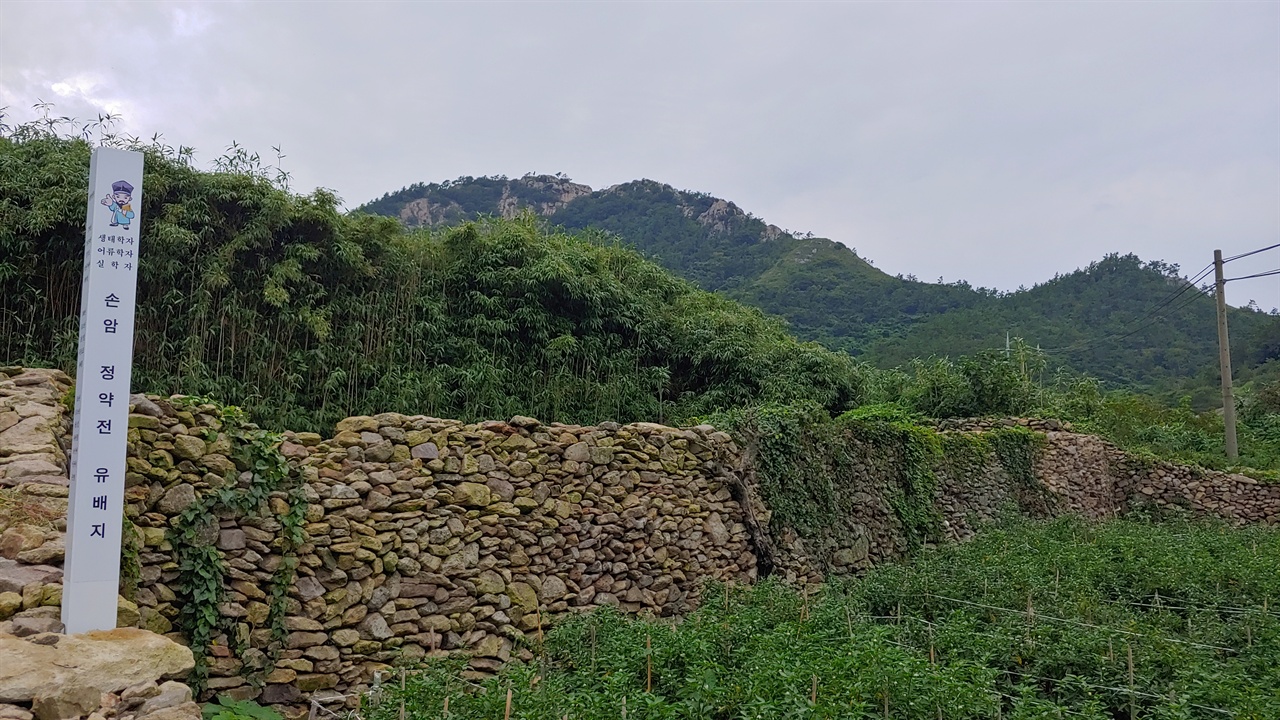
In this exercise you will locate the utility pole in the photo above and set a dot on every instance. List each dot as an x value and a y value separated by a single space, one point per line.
1224 359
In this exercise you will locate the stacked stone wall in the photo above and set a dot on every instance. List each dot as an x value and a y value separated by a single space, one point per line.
429 536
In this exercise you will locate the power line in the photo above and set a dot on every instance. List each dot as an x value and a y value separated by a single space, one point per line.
1153 313
1088 344
1082 624
1253 252
1258 275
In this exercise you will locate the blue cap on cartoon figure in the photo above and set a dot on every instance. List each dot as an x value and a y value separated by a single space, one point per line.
121 186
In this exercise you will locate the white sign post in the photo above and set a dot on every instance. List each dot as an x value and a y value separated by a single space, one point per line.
95 512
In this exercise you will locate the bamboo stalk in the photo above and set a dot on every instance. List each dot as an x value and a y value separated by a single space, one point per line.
813 692
506 714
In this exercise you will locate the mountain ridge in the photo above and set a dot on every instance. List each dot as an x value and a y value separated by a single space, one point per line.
1094 317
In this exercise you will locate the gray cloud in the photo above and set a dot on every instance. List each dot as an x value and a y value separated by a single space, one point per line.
995 142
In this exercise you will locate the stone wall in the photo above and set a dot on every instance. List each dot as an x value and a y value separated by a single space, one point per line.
1073 473
1089 476
430 536
426 536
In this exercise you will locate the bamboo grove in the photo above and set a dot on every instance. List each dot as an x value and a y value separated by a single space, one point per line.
306 315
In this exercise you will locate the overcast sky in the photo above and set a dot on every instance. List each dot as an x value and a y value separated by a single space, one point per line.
994 142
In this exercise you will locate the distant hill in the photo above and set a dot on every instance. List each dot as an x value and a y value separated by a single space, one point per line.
1097 320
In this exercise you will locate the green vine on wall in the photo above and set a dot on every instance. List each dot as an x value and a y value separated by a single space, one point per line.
130 562
918 451
809 467
201 567
1017 448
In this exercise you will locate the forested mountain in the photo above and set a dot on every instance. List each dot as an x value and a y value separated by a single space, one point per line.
1105 320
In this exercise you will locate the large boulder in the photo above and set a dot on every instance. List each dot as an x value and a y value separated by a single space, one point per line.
104 661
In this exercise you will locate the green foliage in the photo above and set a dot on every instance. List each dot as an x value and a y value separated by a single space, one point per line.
809 469
201 568
130 563
1144 425
986 384
307 315
1016 448
1030 621
228 708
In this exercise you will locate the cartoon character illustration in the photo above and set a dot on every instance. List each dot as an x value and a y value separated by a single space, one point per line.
119 203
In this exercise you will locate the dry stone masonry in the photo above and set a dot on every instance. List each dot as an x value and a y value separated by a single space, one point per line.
428 536
425 537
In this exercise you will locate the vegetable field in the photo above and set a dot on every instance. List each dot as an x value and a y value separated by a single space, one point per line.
1129 619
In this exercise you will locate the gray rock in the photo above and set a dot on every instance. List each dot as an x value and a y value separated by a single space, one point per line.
715 528
27 626
308 588
231 539
280 694
425 451
52 551
578 452
176 499
14 577
143 406
374 627
171 694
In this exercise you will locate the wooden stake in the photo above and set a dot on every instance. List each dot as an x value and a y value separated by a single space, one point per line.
446 706
848 618
804 612
648 662
1133 707
401 693
813 692
886 699
1111 651
506 714
624 707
